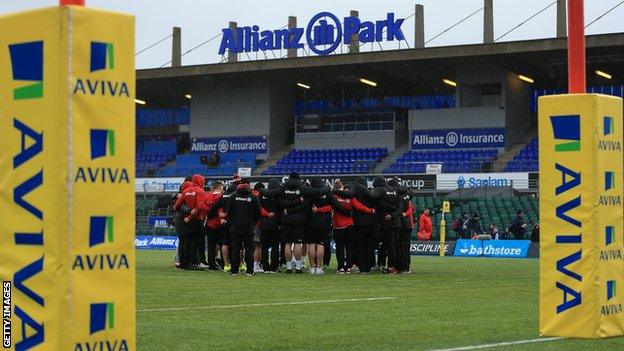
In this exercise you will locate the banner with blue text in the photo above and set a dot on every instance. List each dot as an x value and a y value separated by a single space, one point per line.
224 145
478 138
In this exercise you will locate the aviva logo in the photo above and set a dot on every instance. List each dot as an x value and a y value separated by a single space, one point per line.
102 56
27 65
102 143
609 235
100 230
102 317
609 180
610 289
567 132
608 126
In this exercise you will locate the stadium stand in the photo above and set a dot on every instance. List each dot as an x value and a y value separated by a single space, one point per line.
187 164
453 161
408 102
162 117
526 160
331 161
496 210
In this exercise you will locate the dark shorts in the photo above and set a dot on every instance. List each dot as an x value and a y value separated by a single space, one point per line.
223 237
293 233
317 236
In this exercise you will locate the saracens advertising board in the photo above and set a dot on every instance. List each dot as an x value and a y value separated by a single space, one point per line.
67 119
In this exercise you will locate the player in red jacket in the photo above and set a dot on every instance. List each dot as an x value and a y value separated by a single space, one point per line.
192 197
212 226
343 224
425 228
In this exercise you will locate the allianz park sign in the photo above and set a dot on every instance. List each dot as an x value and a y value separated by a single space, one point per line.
323 34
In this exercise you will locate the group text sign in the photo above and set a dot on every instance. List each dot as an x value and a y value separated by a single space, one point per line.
67 134
581 266
477 138
323 34
224 145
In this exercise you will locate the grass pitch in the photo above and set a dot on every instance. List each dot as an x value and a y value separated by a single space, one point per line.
447 303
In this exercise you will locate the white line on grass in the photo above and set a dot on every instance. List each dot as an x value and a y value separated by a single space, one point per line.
507 343
268 304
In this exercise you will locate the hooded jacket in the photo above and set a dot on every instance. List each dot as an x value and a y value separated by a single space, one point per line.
407 217
181 209
389 203
269 200
320 196
243 211
193 195
294 203
363 203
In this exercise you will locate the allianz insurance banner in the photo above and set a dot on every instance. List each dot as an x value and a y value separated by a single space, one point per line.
477 138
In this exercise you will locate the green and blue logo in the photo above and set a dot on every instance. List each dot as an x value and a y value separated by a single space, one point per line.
609 235
607 125
101 230
27 66
102 143
610 289
102 317
567 132
102 56
609 180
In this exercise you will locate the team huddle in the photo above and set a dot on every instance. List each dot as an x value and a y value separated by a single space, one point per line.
282 223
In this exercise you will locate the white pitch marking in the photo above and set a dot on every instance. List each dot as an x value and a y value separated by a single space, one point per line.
268 304
507 343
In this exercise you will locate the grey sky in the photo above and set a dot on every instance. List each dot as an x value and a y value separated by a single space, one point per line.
201 20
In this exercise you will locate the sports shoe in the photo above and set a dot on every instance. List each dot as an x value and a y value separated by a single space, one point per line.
319 271
176 265
391 271
243 267
375 268
406 272
228 268
258 270
250 274
355 270
313 270
288 271
270 272
233 274
298 271
341 271
202 266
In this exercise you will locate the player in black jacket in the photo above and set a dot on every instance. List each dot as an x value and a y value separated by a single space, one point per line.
295 208
403 244
222 203
243 212
389 210
322 202
270 227
365 223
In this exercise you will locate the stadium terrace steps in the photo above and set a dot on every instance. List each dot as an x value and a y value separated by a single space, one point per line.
328 161
501 163
272 161
392 158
